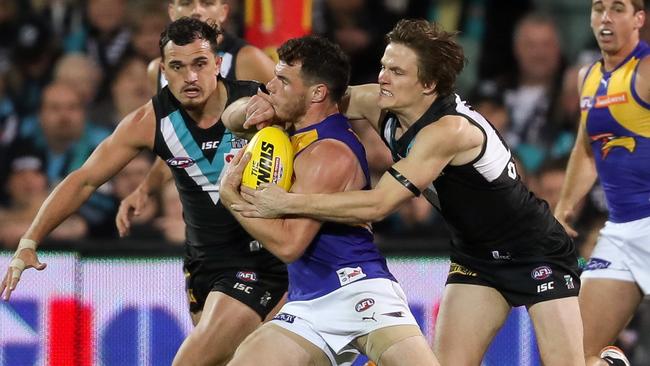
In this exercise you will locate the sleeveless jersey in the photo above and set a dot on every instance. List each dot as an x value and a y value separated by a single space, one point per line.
228 50
339 254
484 202
618 124
197 158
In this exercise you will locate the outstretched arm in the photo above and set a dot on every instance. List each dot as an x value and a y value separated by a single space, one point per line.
134 133
436 146
580 174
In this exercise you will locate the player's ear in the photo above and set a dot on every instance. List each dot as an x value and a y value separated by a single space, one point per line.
639 19
429 88
318 93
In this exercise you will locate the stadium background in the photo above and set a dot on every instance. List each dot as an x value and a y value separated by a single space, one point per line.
104 301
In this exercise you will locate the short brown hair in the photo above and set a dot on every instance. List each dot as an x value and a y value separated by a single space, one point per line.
638 5
440 57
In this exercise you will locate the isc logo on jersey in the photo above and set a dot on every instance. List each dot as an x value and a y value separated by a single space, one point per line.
271 159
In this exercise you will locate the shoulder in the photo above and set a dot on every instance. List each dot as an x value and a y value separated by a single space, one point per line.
328 156
254 64
451 133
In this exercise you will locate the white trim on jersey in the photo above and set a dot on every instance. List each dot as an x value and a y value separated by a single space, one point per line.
193 171
496 155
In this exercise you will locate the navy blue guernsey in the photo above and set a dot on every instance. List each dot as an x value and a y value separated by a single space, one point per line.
484 202
197 158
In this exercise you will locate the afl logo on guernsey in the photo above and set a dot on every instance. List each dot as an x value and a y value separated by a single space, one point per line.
364 304
180 162
541 273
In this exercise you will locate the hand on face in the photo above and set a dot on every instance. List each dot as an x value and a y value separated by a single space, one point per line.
259 111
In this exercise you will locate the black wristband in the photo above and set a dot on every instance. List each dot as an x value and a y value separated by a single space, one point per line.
404 181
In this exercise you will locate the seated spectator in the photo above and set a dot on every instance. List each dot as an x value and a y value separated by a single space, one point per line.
147 19
129 88
27 188
62 133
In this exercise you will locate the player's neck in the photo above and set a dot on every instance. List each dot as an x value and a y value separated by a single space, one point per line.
409 114
613 59
316 114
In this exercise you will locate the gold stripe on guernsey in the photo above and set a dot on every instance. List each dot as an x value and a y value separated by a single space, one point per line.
301 141
619 99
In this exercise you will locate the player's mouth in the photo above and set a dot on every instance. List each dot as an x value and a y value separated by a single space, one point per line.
605 34
192 91
385 93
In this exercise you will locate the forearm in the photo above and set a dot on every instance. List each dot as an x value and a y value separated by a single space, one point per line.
158 176
353 207
276 235
234 117
65 200
580 177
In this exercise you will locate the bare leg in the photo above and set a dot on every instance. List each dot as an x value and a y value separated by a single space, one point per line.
558 328
271 345
223 325
469 317
607 306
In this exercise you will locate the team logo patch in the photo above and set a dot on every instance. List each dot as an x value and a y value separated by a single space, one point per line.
597 263
348 275
247 276
541 273
455 268
180 162
364 304
586 103
288 318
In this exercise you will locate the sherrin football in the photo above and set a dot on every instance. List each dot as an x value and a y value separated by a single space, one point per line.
271 159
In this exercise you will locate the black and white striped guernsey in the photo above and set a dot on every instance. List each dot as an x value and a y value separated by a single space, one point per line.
484 202
198 158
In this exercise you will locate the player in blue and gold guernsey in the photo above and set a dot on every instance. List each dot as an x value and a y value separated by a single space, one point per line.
232 285
342 298
613 144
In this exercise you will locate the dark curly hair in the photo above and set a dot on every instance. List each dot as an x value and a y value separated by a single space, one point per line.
322 62
440 58
186 30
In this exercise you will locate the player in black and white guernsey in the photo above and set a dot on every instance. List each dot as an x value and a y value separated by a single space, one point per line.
239 60
507 248
233 284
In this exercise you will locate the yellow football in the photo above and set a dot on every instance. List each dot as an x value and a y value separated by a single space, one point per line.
271 159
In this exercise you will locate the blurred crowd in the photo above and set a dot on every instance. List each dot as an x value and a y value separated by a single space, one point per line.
71 69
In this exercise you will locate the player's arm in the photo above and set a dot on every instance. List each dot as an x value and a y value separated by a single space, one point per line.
133 133
580 173
153 75
136 201
360 103
327 166
253 64
435 146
